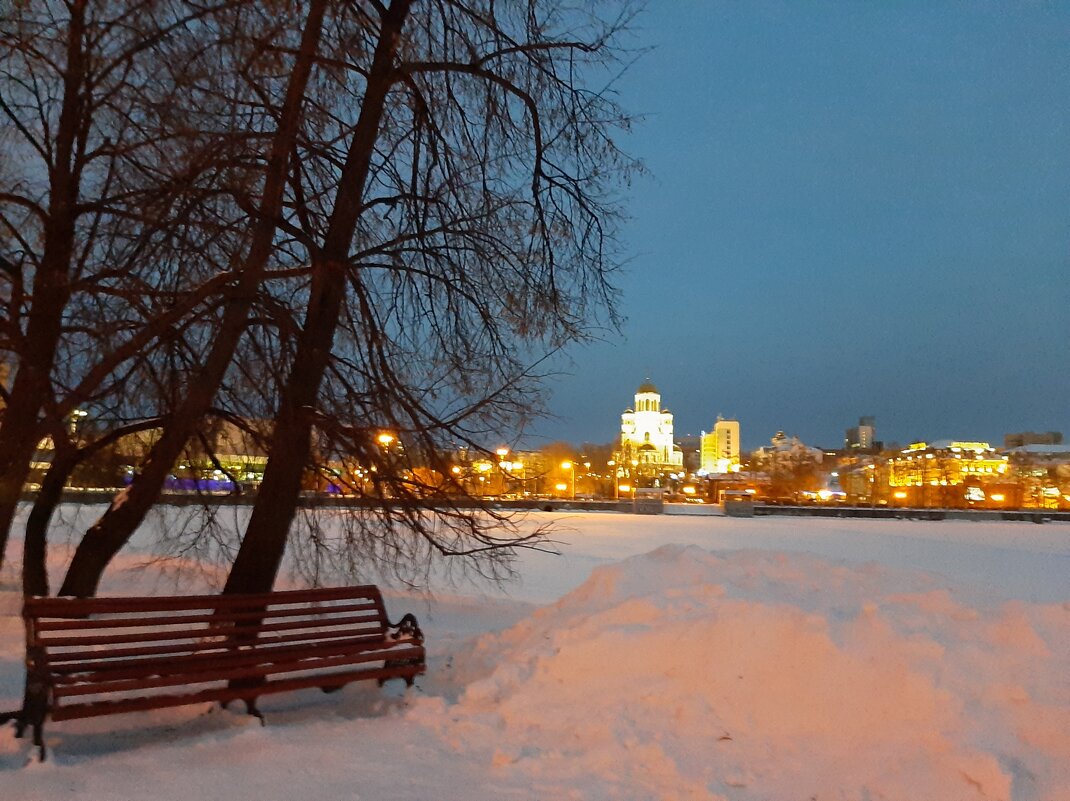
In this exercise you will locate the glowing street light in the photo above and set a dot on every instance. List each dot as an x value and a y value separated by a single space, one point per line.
567 465
76 418
385 439
503 468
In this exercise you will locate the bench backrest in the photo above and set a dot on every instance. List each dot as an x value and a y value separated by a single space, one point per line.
69 634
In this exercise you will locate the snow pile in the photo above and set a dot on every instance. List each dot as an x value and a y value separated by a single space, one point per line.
819 663
685 674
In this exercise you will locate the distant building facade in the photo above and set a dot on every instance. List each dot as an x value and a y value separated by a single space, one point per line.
720 448
1032 438
862 437
691 445
646 436
946 472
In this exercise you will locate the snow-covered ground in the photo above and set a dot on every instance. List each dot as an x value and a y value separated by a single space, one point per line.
771 659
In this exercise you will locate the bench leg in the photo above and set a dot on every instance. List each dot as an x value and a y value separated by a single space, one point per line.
35 705
39 740
22 720
251 709
398 663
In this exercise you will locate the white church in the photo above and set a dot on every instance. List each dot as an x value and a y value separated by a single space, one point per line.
646 436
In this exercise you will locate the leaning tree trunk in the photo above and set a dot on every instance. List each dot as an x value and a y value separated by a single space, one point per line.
51 290
112 531
35 540
264 544
66 459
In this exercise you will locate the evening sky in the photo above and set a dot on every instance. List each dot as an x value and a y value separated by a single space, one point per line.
852 208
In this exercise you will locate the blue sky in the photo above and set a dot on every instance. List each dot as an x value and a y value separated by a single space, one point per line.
853 208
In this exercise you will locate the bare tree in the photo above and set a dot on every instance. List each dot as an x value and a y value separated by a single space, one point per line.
94 215
458 229
104 539
390 212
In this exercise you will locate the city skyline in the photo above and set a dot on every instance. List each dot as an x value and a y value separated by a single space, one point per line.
851 210
753 440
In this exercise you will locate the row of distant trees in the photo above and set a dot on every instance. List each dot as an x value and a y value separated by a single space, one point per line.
336 216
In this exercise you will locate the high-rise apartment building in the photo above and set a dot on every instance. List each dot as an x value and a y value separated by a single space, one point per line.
720 447
862 437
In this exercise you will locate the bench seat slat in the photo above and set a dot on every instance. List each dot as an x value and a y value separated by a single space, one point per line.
141 704
219 617
238 670
71 661
222 659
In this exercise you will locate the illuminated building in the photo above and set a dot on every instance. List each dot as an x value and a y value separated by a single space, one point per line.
646 436
789 466
720 448
946 473
504 472
1041 476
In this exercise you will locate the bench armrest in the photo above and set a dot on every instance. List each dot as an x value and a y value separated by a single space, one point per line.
406 627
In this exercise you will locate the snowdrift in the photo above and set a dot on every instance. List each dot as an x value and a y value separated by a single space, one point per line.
685 674
677 673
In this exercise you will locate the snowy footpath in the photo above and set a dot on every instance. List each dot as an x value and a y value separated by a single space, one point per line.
770 659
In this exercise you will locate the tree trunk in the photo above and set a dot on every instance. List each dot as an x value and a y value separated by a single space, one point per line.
35 541
20 431
264 544
108 535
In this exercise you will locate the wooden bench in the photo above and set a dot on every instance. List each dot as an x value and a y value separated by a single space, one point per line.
103 656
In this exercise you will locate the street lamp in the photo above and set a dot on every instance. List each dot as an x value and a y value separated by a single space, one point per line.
503 466
76 417
567 465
